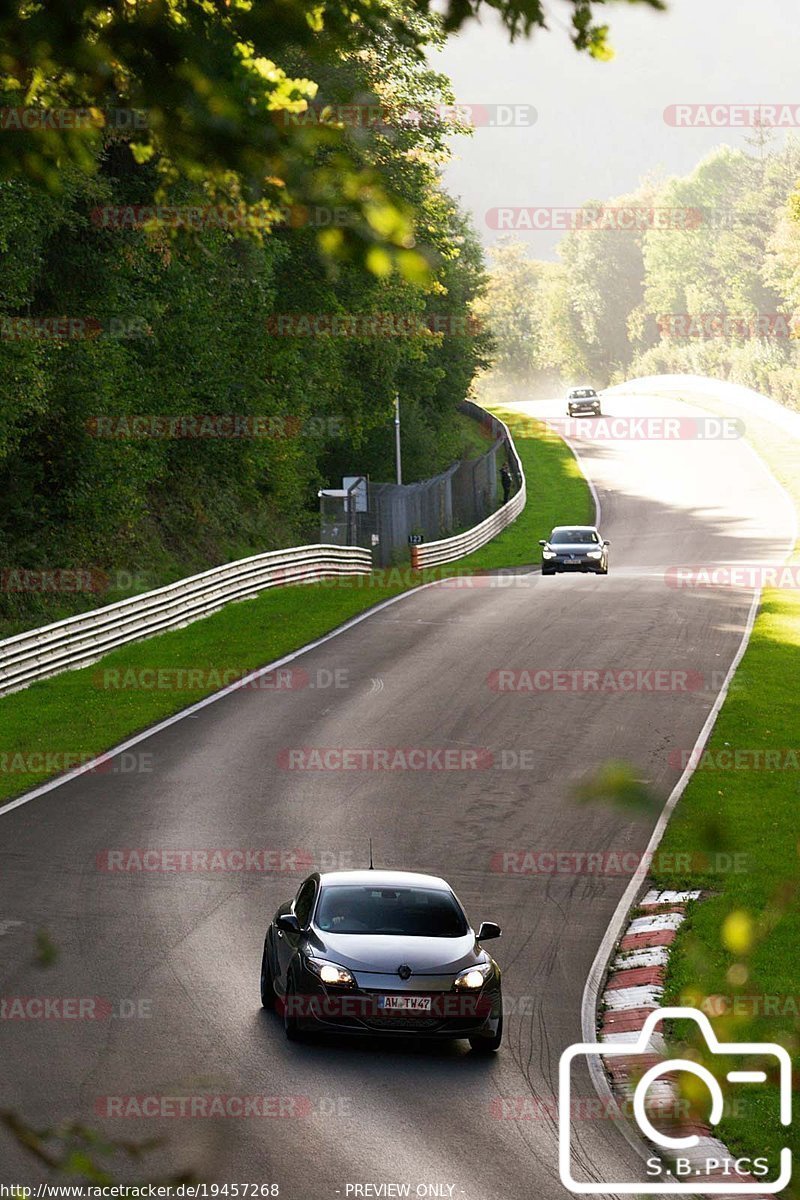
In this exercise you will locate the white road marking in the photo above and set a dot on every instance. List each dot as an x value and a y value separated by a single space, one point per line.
51 784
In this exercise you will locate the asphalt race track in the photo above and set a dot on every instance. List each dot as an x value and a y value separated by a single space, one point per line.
184 947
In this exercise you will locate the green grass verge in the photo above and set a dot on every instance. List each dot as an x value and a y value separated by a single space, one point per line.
149 564
557 495
77 715
736 833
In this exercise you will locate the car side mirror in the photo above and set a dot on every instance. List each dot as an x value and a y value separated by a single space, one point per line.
606 543
288 923
488 930
542 542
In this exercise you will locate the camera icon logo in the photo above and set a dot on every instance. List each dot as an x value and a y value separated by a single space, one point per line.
691 1173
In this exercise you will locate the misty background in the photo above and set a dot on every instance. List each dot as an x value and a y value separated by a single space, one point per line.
600 125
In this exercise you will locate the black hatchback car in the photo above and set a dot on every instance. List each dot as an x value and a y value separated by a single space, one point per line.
382 953
574 548
582 402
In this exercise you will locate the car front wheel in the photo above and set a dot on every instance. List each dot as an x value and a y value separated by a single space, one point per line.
291 1026
267 981
488 1045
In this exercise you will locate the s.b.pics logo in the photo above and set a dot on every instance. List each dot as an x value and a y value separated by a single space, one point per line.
687 1162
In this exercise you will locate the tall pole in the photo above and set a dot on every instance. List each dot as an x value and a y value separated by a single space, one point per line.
398 459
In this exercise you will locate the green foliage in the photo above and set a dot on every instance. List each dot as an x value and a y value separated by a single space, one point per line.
218 90
608 309
188 325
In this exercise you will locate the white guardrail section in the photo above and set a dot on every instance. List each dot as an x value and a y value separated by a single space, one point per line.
430 554
82 639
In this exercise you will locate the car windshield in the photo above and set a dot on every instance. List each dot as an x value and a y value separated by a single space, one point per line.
420 912
583 394
574 537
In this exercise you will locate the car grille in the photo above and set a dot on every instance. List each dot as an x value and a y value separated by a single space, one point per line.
387 1024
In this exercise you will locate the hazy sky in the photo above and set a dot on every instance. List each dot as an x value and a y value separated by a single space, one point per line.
601 126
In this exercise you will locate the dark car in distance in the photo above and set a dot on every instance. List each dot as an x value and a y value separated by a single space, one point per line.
582 402
382 953
574 548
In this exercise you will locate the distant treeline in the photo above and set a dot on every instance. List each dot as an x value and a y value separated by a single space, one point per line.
699 273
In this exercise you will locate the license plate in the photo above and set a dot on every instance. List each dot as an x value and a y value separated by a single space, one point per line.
405 1003
573 558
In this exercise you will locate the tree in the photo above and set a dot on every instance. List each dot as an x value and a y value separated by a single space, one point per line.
204 309
511 309
604 278
214 92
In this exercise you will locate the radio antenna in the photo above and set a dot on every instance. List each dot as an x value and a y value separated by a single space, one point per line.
371 865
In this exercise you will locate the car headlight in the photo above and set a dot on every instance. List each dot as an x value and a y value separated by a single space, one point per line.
594 554
549 554
330 972
474 978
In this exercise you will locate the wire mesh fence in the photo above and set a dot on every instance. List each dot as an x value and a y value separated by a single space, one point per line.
383 516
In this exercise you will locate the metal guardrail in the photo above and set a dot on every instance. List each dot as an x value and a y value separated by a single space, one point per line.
82 639
431 554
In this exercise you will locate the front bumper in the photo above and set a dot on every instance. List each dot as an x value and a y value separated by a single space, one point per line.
583 410
356 1011
584 564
